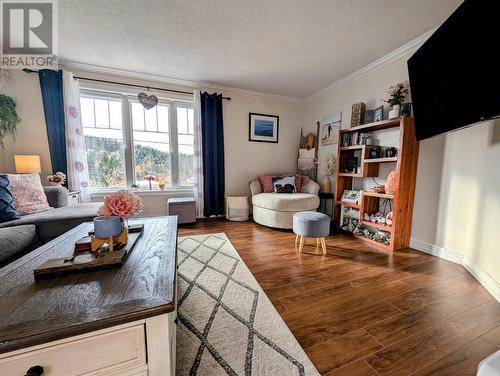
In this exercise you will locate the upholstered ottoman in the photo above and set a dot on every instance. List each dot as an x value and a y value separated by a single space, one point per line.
311 225
184 208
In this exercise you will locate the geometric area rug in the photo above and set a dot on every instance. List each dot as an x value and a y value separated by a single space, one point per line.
226 325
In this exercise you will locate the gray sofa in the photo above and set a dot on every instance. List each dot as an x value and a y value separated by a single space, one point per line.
23 235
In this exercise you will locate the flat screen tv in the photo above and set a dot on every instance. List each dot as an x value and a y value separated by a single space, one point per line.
455 74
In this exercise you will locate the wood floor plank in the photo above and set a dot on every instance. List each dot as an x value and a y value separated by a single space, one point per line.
331 325
493 337
403 325
424 348
356 368
359 309
340 351
462 362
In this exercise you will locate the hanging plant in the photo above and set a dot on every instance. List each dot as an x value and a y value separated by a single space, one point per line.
8 118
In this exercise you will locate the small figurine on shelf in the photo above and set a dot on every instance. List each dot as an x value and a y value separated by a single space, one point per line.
58 178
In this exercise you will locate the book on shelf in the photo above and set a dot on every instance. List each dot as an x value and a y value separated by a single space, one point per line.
355 138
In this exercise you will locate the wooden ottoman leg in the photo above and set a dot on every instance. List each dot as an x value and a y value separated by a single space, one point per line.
296 238
318 241
323 245
301 245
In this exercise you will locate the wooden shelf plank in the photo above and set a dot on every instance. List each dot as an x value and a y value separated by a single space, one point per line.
351 174
348 204
377 225
376 194
381 160
386 247
376 126
355 147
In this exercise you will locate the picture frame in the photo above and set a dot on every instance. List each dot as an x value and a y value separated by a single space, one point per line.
263 128
330 128
378 114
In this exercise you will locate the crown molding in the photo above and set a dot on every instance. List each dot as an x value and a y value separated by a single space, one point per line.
387 59
122 73
384 60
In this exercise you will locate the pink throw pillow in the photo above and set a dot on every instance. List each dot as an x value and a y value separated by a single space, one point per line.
298 183
28 193
266 181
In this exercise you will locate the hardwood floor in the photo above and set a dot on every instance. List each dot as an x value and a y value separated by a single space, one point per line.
362 311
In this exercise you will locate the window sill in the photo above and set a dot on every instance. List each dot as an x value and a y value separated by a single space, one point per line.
167 192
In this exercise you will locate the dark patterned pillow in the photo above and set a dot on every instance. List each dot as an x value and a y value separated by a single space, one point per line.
284 184
7 209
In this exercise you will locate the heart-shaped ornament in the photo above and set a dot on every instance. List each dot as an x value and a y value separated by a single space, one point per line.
148 101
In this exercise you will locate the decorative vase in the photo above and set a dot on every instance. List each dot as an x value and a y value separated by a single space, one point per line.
107 226
390 183
326 185
394 112
161 186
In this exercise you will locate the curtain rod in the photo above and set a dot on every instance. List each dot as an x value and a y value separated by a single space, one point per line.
26 70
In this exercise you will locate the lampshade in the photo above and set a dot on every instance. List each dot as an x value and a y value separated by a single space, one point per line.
26 164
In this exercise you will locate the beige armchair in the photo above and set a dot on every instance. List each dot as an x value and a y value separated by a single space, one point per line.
277 209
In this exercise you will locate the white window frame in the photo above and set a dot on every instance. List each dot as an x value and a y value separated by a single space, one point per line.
128 136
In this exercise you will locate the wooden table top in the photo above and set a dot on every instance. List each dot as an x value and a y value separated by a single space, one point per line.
34 312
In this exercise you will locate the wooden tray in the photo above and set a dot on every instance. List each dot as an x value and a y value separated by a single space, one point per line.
87 261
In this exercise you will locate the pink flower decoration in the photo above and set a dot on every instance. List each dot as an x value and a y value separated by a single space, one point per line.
79 166
150 177
123 204
73 112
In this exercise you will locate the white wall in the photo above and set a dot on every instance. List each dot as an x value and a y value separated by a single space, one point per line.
457 196
31 134
243 159
469 206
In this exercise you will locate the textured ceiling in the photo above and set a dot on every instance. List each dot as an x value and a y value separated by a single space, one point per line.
286 47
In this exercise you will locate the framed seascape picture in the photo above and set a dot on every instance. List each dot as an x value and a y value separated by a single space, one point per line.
263 128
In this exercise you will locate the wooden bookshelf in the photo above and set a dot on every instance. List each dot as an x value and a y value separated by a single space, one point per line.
402 199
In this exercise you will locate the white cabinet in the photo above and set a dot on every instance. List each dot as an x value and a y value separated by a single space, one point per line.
145 347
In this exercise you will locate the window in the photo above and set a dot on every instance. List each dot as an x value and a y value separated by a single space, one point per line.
103 131
161 141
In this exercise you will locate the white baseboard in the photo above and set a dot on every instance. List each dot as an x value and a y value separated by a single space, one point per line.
434 250
488 282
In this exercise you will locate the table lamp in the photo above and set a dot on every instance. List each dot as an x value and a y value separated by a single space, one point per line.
26 164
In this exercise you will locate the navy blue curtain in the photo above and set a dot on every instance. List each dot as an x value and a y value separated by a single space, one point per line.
53 107
212 128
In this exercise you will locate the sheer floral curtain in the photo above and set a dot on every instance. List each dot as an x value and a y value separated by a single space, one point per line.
78 173
198 156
